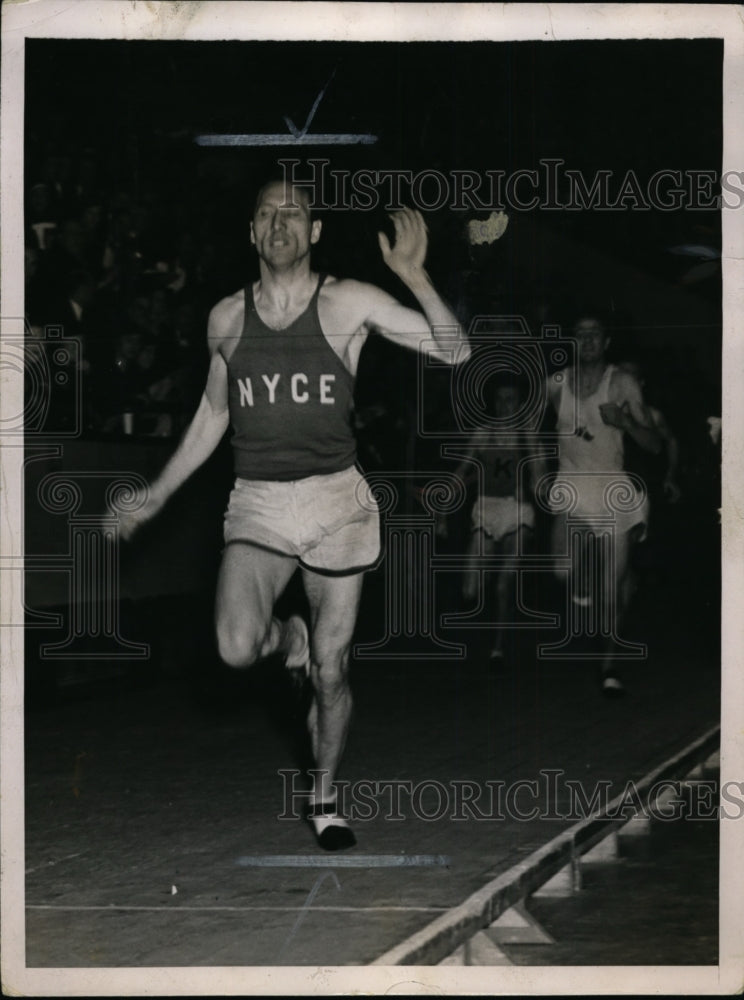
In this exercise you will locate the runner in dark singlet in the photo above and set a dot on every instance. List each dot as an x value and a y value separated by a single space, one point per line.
284 355
503 517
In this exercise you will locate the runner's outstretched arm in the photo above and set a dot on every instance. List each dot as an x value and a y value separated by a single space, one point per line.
406 258
201 438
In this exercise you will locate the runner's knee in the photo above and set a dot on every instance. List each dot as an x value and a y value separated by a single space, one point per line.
240 645
330 668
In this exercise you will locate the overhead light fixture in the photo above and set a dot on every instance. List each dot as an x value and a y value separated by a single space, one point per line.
282 139
296 137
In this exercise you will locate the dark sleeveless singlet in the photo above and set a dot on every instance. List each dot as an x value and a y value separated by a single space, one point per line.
499 467
290 398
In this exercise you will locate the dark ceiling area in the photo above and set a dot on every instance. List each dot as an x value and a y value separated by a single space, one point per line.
598 104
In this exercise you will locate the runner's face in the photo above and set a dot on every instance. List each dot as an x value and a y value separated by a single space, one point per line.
282 230
592 339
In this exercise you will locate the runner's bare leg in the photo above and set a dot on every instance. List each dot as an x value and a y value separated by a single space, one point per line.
334 601
251 580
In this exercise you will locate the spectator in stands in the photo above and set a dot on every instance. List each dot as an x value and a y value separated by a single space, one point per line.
118 383
41 218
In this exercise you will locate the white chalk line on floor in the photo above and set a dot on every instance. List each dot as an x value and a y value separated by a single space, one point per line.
242 909
51 864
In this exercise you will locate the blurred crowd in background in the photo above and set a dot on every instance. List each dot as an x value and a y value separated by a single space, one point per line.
131 277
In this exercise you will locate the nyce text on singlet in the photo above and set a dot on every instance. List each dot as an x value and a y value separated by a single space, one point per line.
290 398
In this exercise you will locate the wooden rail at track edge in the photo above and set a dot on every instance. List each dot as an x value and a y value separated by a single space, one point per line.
444 934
